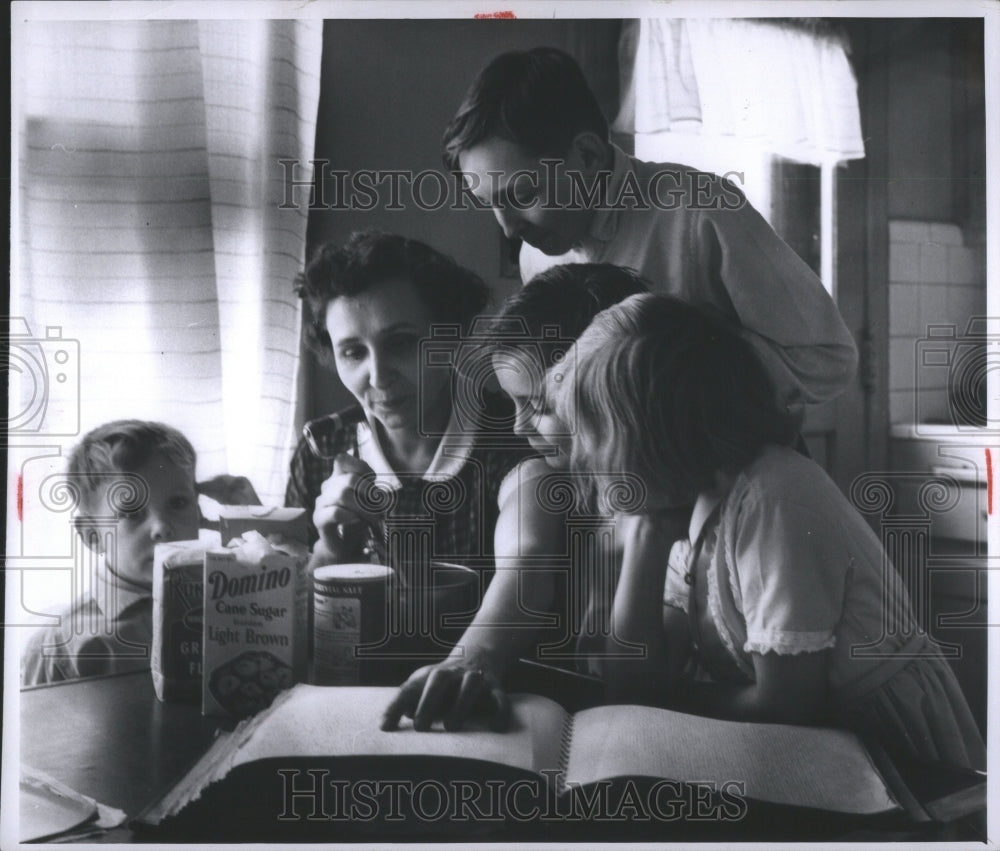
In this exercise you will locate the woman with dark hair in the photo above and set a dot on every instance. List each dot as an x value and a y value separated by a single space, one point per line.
406 457
781 580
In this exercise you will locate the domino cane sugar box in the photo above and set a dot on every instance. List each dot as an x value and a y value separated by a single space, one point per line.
255 626
176 655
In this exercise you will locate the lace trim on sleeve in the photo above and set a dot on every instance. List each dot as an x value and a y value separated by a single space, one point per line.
788 643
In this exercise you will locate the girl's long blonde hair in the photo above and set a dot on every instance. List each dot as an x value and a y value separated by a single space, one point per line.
661 389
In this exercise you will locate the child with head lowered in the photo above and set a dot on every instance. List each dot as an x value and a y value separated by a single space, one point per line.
135 482
782 606
533 331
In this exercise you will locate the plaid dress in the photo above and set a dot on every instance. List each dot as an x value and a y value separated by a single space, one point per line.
447 514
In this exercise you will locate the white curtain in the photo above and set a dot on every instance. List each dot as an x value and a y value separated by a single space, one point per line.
783 89
149 227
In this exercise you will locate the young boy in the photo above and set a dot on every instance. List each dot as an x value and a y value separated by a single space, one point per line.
532 143
136 487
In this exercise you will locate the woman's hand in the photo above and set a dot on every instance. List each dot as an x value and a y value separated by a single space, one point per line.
451 690
337 515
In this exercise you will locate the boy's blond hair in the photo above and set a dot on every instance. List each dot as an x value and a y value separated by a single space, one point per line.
123 446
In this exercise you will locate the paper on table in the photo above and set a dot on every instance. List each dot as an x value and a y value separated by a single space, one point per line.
49 808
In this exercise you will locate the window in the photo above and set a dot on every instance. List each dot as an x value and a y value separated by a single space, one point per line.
773 101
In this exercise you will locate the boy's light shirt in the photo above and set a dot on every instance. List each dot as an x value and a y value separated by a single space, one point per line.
109 609
113 593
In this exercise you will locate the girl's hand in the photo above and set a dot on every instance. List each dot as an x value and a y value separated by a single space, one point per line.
338 515
647 538
451 690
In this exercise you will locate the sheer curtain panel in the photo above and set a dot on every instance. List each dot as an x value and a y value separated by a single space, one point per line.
149 226
784 88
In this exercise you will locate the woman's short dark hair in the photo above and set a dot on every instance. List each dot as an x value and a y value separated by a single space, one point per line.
538 99
452 293
559 304
670 392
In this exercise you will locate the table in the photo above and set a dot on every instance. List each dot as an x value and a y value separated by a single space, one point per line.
111 739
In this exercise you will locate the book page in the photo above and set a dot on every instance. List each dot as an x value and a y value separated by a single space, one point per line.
802 766
329 721
49 807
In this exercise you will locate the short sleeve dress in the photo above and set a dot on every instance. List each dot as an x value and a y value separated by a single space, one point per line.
793 568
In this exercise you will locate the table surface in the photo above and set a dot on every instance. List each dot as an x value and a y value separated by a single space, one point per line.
111 739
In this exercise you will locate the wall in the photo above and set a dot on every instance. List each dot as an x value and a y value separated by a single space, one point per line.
934 279
936 204
388 90
936 200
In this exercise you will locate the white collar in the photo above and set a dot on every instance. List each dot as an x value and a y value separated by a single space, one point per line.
450 456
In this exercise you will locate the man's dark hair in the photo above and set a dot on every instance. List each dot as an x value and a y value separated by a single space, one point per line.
451 293
538 99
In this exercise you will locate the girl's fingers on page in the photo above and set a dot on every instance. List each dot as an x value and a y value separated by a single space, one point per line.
468 692
393 712
405 701
500 717
440 683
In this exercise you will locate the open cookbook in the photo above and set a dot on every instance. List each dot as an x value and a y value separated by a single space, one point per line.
317 758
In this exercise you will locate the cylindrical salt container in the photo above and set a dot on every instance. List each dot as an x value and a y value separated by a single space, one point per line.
349 610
